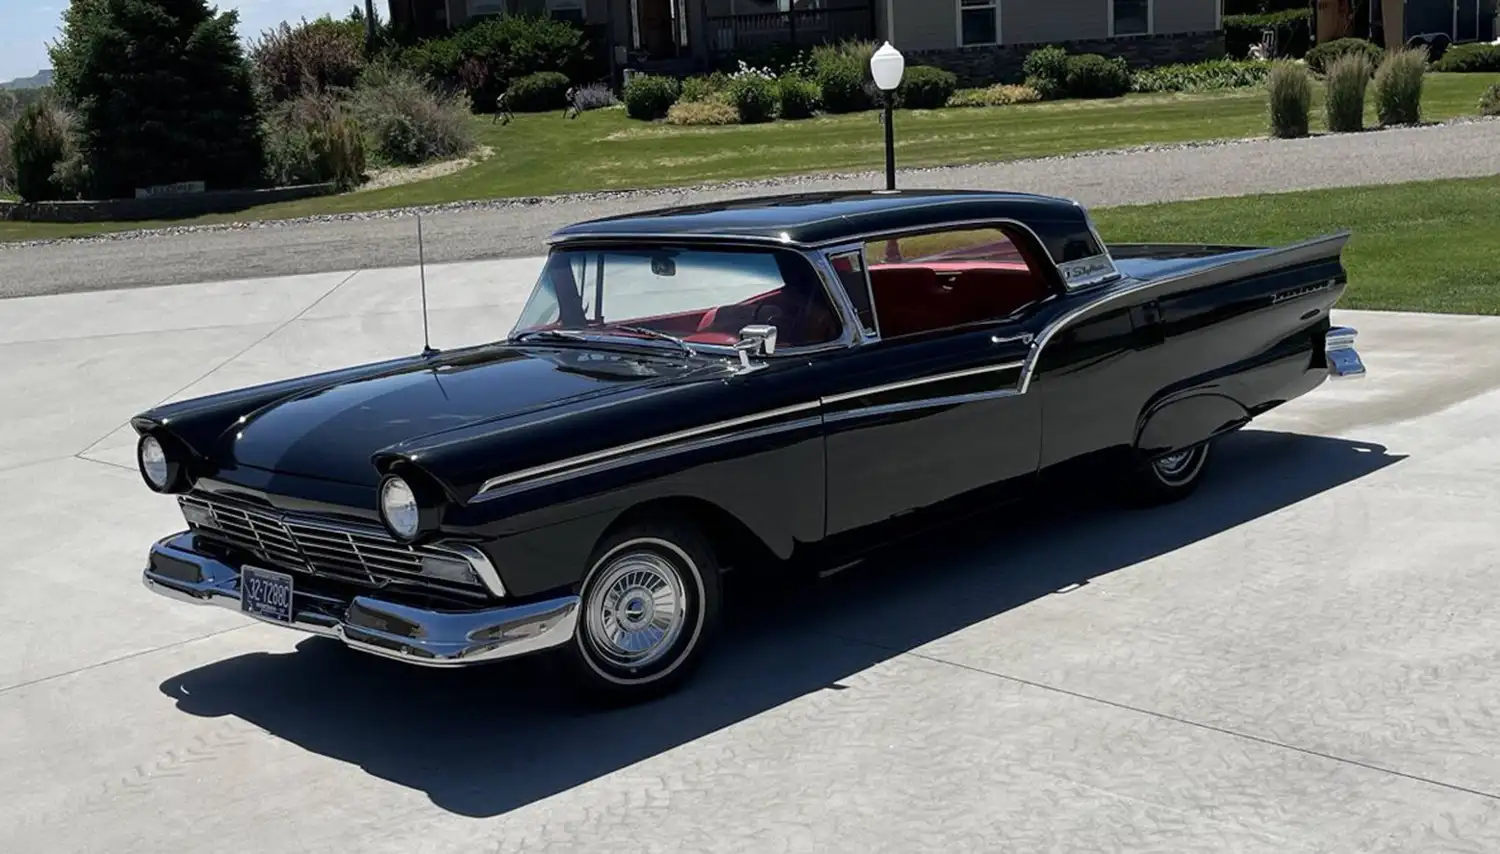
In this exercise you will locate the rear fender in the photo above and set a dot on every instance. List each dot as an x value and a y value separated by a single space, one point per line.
1186 420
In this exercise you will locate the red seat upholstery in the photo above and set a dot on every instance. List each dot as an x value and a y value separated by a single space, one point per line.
911 298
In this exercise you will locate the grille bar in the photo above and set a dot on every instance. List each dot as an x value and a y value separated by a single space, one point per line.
367 557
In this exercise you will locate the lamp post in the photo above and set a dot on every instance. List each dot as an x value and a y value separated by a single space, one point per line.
888 66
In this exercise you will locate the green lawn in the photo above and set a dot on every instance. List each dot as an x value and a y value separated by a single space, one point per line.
544 154
1426 246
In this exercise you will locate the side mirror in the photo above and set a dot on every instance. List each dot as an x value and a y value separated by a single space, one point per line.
759 340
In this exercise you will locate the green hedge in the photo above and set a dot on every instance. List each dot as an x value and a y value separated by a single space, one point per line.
1093 76
1469 58
487 56
650 96
1201 76
1293 32
538 93
1321 56
925 88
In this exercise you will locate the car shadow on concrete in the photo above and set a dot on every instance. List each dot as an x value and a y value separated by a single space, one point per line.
486 741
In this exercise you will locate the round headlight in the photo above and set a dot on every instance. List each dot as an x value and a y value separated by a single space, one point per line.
398 506
153 462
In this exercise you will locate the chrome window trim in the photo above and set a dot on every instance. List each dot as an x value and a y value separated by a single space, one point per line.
644 444
920 381
859 250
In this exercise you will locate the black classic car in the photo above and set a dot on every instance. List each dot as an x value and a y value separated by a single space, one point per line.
781 382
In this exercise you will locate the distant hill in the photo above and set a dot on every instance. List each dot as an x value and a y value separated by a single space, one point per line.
36 81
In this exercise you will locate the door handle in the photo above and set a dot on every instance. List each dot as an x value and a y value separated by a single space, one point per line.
1023 338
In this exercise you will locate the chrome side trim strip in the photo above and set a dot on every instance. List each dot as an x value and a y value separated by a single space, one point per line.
936 378
644 444
924 403
1270 258
646 456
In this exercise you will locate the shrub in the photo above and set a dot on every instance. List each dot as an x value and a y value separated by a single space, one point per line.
1293 31
1290 88
844 85
925 88
702 113
538 93
1470 58
799 97
488 55
1093 76
39 143
312 57
649 96
406 123
1321 56
312 139
1046 71
999 95
1489 102
595 96
1344 99
1398 86
704 87
755 97
1201 76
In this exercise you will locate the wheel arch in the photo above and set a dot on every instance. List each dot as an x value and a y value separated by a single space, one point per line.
734 543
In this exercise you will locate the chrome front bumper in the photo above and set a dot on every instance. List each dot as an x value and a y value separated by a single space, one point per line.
413 635
1343 360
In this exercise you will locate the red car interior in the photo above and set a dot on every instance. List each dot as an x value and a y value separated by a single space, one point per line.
913 298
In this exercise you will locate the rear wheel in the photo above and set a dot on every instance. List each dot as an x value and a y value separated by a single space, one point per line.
1171 477
648 607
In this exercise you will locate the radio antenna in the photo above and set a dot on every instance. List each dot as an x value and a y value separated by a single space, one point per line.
422 272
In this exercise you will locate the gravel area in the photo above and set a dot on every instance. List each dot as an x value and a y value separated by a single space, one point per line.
516 227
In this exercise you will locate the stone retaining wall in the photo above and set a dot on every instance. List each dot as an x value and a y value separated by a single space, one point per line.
982 66
160 207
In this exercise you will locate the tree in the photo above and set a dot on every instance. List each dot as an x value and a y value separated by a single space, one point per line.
162 93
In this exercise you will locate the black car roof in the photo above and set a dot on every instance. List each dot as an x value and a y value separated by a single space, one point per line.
816 219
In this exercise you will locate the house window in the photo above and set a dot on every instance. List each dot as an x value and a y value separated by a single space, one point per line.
480 8
566 10
978 22
1130 17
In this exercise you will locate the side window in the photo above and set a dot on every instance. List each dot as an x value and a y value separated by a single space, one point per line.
929 281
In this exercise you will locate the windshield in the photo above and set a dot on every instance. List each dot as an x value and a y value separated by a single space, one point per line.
697 296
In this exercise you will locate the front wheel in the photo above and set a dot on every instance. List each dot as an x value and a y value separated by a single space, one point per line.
1171 477
648 607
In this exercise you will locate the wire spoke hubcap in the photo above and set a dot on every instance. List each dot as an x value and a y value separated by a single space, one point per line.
638 610
1178 468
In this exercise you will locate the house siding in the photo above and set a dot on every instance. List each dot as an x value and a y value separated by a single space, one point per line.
1029 22
925 24
1186 16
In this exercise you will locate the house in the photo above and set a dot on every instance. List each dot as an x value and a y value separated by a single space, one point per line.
980 40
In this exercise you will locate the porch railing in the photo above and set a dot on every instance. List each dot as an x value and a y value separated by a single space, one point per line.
811 26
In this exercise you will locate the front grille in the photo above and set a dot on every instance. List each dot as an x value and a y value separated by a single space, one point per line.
367 557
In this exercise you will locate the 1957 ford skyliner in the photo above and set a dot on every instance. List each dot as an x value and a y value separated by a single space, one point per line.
775 382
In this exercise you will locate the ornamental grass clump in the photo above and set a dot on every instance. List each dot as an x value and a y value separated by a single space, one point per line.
1489 102
1290 89
1344 97
1398 86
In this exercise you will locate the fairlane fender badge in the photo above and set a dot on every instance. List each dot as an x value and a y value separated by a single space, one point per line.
1303 291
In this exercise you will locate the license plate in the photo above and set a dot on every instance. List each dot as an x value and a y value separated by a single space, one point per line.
266 594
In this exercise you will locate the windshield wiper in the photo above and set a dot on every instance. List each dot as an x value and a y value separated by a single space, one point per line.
554 334
653 334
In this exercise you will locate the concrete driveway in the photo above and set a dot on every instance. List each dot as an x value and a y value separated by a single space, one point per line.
1301 658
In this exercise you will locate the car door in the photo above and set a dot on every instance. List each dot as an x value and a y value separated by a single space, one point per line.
931 420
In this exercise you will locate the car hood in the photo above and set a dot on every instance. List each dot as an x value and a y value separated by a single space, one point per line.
332 431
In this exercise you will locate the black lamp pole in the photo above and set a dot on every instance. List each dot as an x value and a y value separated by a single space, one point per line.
890 141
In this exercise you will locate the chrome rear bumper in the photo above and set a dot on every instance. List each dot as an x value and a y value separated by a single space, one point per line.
413 635
1343 360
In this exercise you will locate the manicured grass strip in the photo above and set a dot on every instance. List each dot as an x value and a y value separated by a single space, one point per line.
1424 246
604 150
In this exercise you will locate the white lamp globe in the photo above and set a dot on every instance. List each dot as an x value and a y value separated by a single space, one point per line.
887 66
